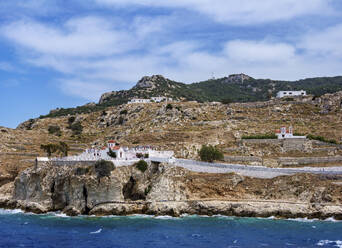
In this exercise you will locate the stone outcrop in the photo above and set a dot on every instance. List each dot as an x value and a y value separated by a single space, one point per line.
169 190
150 82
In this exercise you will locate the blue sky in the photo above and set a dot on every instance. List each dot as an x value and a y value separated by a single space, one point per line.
64 53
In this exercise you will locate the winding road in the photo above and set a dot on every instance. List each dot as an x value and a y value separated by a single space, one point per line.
247 170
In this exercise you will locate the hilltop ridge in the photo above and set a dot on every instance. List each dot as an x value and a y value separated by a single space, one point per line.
234 88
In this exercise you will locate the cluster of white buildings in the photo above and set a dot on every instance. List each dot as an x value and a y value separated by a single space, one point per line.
284 133
121 153
281 94
152 99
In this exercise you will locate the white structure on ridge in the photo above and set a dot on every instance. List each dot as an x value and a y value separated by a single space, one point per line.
281 94
283 133
161 99
137 100
152 99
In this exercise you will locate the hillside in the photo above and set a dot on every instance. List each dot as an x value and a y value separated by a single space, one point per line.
235 88
184 129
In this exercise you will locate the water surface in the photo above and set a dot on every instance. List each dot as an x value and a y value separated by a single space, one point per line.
51 230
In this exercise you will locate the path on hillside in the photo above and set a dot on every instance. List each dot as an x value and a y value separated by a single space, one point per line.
247 170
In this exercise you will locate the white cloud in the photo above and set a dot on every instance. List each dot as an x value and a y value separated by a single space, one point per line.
240 12
259 51
89 36
15 8
324 43
95 54
4 66
84 89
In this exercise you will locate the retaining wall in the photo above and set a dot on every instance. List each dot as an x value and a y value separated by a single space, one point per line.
310 160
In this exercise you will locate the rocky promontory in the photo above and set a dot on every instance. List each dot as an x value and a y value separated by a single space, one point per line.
165 189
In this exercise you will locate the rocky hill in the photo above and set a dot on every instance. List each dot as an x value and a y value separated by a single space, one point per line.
235 88
183 127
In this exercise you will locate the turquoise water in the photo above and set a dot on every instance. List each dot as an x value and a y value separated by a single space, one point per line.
29 230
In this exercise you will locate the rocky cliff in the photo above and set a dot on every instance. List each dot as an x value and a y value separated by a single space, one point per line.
167 190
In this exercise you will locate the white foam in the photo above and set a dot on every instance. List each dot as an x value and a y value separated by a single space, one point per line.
11 211
337 243
331 219
303 219
165 217
96 232
57 214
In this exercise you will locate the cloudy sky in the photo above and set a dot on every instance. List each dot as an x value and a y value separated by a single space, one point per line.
64 53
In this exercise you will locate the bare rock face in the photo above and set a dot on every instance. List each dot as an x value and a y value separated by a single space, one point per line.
237 78
149 82
168 190
104 97
27 125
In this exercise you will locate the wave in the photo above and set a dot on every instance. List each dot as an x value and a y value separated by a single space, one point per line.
10 211
96 232
159 217
337 243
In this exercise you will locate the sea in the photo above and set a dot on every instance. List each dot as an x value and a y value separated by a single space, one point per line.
18 229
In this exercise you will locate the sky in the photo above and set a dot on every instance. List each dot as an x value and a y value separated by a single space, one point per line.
66 53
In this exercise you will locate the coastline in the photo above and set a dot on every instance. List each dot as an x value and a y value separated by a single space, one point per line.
258 209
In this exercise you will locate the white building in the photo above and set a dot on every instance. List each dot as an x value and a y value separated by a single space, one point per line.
281 94
138 100
122 153
161 99
283 133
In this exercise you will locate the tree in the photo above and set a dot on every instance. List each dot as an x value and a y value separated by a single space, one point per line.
56 130
76 128
169 106
210 153
63 148
142 166
104 168
49 149
111 153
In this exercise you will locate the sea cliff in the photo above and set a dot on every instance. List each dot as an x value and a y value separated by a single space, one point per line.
170 190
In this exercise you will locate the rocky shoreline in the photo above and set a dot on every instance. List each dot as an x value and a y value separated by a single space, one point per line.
206 208
169 190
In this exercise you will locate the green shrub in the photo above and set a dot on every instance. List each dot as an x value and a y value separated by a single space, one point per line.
80 171
260 136
146 155
169 106
139 155
49 149
142 166
104 168
61 148
56 130
76 128
320 138
111 153
71 120
210 153
226 101
123 112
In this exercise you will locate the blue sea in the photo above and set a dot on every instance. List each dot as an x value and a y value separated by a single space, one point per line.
18 229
